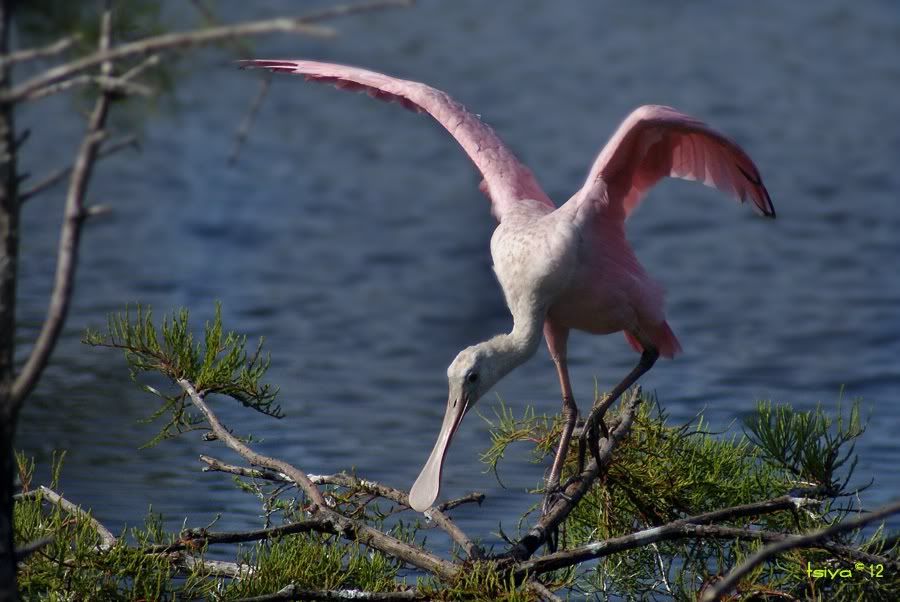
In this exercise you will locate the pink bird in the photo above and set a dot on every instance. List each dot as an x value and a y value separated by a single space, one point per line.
567 267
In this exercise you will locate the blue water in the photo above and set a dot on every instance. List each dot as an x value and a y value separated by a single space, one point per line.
352 236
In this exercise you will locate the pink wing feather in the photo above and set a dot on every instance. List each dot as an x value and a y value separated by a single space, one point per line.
506 180
656 141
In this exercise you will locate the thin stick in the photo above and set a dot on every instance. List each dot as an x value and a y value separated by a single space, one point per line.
67 257
296 475
576 489
173 41
107 539
329 519
30 54
718 589
293 592
61 174
344 480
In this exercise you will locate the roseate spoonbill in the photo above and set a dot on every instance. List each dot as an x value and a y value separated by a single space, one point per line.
566 267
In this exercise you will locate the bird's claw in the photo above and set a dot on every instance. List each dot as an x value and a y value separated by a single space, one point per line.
553 494
590 439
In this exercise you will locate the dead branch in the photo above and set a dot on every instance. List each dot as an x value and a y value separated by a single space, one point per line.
542 591
197 538
437 515
61 174
215 568
328 519
111 84
296 475
30 54
107 539
577 487
67 258
718 589
175 41
243 130
292 592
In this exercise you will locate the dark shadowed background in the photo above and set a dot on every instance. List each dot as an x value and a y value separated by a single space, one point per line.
352 236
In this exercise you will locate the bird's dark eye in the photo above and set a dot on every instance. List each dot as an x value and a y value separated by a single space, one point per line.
472 377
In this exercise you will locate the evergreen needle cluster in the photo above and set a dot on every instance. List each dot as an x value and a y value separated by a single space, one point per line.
640 529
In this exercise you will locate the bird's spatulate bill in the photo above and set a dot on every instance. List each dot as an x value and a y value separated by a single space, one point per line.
428 486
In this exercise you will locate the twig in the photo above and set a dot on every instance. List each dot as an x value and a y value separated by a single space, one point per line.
30 54
328 519
191 539
718 589
107 539
243 130
692 527
213 568
61 174
296 475
543 591
351 482
342 10
67 258
150 61
31 547
576 489
214 464
112 84
472 498
240 46
293 592
154 44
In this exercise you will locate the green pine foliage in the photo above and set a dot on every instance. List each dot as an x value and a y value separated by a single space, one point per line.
219 364
659 473
663 472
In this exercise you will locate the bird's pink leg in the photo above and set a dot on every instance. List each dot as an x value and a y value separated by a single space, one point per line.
570 417
557 339
589 435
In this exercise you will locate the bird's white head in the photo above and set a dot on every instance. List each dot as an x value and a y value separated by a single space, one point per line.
469 377
474 371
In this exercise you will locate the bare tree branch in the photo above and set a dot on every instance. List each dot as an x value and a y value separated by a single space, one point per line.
673 531
111 84
172 41
327 518
436 515
577 487
107 539
61 174
243 130
67 258
217 568
196 538
30 54
718 589
296 475
472 498
292 592
543 591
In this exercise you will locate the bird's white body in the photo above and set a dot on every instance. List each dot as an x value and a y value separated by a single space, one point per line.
561 268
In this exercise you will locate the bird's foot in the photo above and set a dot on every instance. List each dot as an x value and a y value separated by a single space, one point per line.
590 440
553 494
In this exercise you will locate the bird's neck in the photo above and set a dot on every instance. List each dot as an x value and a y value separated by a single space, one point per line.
508 351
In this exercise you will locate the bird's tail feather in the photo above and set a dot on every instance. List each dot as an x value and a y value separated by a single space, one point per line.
663 339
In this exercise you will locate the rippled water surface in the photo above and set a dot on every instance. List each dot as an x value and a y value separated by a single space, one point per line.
351 235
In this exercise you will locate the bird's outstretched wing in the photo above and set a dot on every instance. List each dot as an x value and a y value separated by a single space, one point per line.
656 141
506 180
